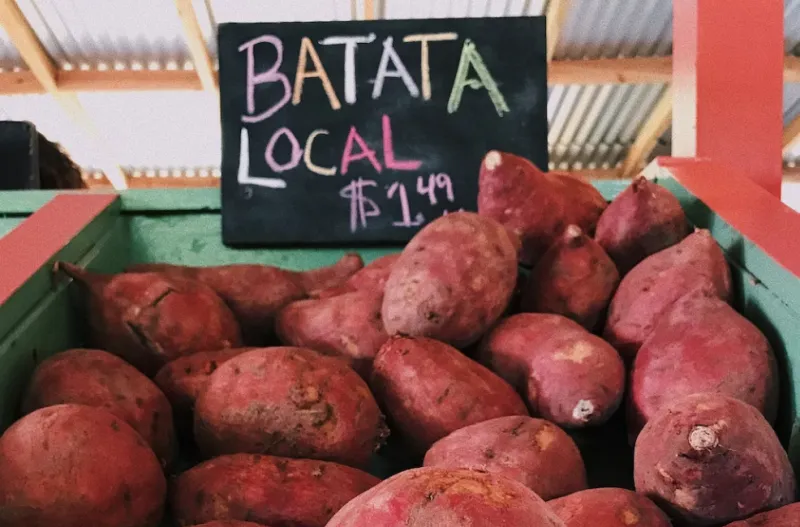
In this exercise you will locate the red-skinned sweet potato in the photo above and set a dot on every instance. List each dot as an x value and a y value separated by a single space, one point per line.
430 389
256 292
532 451
709 459
574 278
643 219
446 497
787 516
100 379
534 205
650 288
566 374
349 326
372 277
149 320
232 523
452 280
290 402
183 379
268 490
702 344
608 507
72 466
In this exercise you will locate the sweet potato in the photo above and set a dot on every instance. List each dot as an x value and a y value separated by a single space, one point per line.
256 292
290 402
232 523
574 278
73 466
696 263
608 507
347 326
567 375
709 459
446 497
149 320
534 205
372 277
452 280
183 379
643 219
788 516
702 344
532 451
268 490
96 378
430 389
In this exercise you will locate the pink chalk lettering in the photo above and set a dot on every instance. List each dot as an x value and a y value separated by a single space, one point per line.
297 152
388 150
366 152
271 75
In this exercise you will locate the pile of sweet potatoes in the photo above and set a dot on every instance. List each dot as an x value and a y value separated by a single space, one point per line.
478 376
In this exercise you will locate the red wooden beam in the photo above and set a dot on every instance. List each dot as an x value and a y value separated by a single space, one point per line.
744 205
33 242
728 84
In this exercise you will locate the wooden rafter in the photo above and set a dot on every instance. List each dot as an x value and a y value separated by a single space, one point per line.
556 14
45 72
201 58
657 123
369 10
594 71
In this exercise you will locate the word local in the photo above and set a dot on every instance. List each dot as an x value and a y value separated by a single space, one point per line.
391 66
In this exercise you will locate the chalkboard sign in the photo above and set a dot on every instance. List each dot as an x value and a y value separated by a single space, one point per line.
19 156
351 132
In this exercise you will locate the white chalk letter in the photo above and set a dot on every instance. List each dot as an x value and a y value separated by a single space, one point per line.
350 45
399 71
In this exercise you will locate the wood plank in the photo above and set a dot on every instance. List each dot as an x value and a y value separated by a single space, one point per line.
126 80
556 14
369 10
791 69
657 123
203 65
640 70
643 70
27 43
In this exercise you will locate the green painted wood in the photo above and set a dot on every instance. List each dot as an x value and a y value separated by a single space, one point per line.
24 299
195 239
155 200
27 201
53 324
8 223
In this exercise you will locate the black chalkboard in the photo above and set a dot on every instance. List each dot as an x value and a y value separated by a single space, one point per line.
19 156
321 149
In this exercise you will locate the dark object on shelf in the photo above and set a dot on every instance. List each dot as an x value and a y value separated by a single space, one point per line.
31 162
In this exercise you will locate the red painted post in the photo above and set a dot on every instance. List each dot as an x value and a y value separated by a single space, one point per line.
728 85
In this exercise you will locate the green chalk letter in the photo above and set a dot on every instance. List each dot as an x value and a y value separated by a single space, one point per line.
470 56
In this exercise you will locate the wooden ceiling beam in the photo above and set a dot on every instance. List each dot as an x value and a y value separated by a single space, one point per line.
45 72
645 70
201 58
654 127
556 15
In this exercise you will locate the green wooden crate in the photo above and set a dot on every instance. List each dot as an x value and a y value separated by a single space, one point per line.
183 226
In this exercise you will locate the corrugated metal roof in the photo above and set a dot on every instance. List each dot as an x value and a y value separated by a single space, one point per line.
90 31
590 126
616 28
